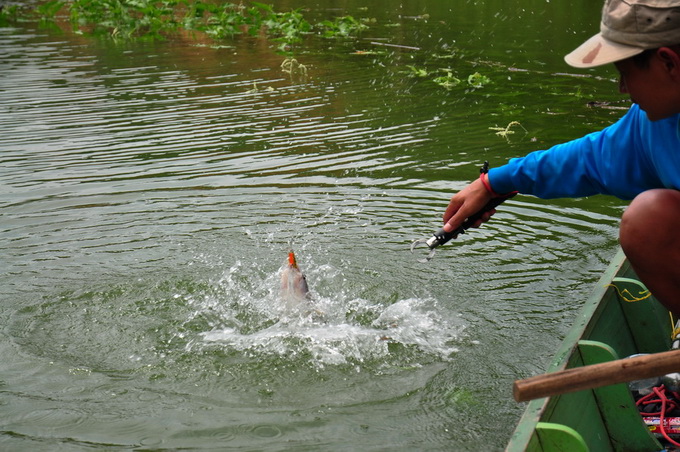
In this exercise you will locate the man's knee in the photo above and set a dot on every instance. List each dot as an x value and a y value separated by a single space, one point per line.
651 220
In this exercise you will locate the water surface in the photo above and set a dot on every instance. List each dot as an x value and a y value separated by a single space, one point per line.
152 190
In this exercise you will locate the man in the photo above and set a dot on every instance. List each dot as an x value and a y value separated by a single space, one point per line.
636 158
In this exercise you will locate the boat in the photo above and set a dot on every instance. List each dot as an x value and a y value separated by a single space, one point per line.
620 319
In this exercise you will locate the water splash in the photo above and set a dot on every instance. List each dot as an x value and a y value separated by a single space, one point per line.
248 317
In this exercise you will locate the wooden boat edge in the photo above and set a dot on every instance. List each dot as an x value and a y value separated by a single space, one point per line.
526 435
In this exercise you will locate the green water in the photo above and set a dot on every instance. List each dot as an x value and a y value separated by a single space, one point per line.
149 196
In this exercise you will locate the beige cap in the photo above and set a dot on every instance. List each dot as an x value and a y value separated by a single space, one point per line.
629 27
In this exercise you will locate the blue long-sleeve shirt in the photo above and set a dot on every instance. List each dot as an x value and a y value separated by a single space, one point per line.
630 156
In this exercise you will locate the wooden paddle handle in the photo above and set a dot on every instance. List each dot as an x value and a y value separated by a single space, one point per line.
596 375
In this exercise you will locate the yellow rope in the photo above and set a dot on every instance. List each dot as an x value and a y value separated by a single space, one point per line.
675 326
643 294
627 296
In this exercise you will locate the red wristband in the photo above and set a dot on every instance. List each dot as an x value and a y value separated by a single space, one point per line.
487 185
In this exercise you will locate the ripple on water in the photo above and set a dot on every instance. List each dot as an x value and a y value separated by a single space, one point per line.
229 331
47 422
121 164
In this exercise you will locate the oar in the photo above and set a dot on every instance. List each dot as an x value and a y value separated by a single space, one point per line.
597 375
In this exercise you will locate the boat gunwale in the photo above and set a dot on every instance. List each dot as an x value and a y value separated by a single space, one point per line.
586 319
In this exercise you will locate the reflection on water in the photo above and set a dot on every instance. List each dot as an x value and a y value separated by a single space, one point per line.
150 192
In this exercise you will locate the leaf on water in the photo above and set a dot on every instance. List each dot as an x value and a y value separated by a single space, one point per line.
478 80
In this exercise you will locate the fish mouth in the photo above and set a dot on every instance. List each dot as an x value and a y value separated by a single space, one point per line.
291 259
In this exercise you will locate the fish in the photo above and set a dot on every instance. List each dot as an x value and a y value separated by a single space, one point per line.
294 289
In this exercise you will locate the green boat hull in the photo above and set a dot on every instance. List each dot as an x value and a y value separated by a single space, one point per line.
619 319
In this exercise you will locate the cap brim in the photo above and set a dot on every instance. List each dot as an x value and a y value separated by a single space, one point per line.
598 50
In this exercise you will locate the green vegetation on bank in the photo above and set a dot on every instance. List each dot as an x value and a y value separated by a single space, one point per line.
161 18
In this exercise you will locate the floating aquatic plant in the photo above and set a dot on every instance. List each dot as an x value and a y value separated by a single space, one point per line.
447 81
49 10
478 80
9 13
505 131
255 89
417 72
342 27
126 18
292 67
286 28
219 21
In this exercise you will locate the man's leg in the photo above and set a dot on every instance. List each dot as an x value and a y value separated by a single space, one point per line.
650 237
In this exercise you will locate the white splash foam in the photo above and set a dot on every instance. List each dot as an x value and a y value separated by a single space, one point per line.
246 316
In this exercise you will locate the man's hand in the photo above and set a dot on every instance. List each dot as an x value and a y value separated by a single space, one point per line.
466 203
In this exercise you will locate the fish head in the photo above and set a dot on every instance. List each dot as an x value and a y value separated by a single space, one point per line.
294 288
